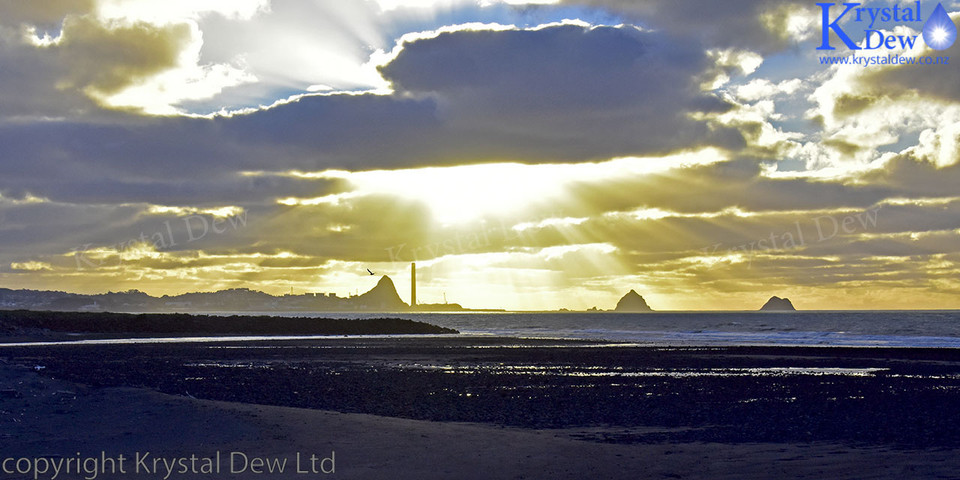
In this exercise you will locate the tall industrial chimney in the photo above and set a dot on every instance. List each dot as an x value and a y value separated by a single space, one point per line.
413 284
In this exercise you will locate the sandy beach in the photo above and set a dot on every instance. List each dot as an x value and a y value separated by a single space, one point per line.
58 418
49 413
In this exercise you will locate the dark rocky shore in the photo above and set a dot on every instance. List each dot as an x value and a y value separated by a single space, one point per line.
28 322
857 396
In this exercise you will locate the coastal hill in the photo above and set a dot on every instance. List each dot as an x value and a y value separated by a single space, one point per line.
777 304
632 302
382 297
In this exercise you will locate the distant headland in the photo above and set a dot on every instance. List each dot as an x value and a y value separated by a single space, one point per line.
381 298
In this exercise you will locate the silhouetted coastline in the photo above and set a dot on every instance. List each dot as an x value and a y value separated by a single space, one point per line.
382 297
26 322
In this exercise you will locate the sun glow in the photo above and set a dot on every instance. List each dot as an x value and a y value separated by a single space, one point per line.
466 193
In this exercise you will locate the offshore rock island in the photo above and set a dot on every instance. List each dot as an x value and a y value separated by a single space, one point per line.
777 304
632 302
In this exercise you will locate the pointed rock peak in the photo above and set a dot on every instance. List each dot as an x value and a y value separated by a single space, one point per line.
382 297
632 302
778 304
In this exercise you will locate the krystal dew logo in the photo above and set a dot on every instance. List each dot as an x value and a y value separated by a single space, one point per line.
939 31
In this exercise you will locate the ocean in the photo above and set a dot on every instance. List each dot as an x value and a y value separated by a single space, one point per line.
927 328
910 329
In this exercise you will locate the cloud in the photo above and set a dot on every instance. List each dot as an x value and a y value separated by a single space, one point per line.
625 92
175 11
867 114
760 88
761 25
580 92
47 13
558 93
334 45
75 58
915 175
102 60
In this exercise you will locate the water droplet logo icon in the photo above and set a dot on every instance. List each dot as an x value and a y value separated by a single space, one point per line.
939 32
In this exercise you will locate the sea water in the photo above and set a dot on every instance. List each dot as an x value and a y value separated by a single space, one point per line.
926 328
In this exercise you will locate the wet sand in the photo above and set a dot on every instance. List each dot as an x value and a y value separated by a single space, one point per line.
82 401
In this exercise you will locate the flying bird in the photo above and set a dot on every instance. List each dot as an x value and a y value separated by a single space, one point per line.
371 273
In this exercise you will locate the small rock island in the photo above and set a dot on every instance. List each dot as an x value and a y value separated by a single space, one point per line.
632 302
777 304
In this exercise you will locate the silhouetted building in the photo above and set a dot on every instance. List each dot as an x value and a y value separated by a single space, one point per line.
413 284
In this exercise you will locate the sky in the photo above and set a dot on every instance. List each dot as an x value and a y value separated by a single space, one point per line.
528 155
